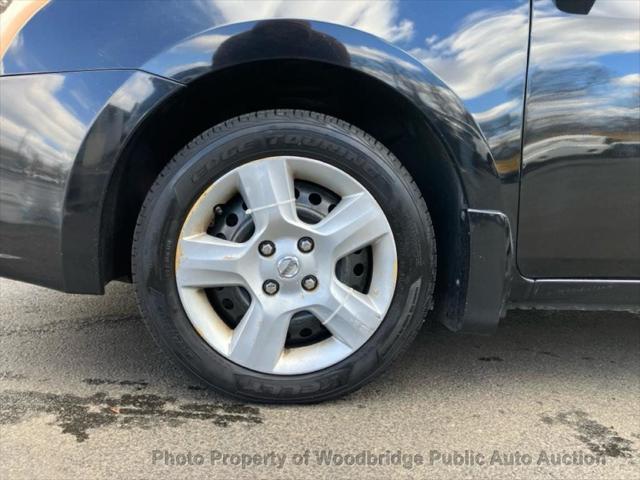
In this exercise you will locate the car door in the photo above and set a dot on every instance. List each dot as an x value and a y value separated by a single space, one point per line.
580 185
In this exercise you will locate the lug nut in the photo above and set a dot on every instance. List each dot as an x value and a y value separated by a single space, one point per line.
270 287
305 244
267 248
309 283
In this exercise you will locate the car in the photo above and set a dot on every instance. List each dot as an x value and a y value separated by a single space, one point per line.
293 187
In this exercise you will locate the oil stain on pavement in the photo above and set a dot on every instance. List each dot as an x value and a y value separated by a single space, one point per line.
77 415
598 438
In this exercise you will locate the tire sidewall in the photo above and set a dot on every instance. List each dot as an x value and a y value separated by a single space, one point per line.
217 152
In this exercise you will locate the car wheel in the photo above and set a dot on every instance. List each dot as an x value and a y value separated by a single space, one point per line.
284 256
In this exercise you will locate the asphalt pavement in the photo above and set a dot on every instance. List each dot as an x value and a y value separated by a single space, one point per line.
85 393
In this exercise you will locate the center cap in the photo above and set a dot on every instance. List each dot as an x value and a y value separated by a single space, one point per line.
288 267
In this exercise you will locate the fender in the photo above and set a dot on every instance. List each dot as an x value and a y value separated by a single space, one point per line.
231 45
58 153
481 288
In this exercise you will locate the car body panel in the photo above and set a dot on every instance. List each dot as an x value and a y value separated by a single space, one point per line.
462 65
61 133
177 39
580 193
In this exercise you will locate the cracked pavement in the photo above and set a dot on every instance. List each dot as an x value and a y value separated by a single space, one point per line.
84 392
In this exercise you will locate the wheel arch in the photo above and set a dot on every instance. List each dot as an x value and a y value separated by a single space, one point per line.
382 90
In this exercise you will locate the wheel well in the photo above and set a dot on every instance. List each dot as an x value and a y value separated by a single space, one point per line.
352 96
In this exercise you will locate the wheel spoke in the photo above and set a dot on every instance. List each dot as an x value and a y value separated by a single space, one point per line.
258 340
349 315
355 223
207 261
267 188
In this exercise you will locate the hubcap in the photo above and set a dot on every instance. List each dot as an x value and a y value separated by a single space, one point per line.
349 234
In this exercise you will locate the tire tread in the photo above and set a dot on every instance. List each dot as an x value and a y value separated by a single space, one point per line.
411 329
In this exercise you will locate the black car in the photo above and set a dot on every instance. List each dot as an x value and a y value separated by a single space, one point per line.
293 186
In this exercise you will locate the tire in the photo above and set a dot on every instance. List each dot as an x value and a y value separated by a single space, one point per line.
232 145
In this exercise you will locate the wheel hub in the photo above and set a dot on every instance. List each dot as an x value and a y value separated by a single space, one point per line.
231 303
288 266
